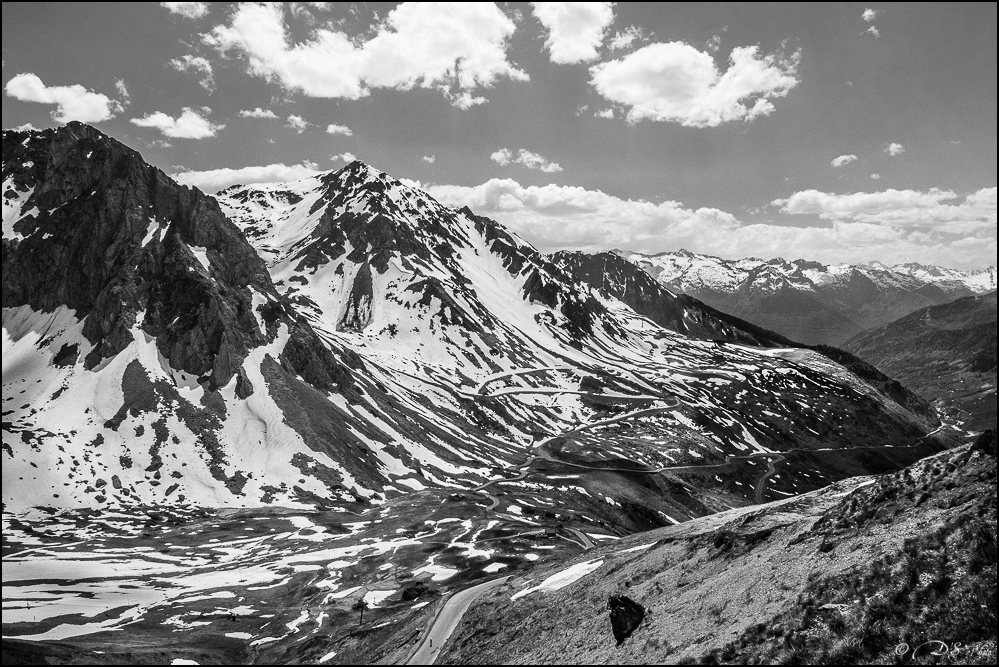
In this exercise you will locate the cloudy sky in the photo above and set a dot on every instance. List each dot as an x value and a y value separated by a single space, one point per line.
839 133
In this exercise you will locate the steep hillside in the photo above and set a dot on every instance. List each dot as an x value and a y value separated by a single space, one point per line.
869 570
808 301
946 353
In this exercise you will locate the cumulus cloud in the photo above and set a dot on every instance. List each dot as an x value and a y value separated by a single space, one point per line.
430 159
191 124
843 160
554 217
895 149
346 157
575 29
72 102
27 127
869 15
875 177
943 210
604 113
557 216
873 31
675 82
214 180
505 156
454 48
333 128
199 66
191 10
122 89
625 38
257 113
463 100
297 123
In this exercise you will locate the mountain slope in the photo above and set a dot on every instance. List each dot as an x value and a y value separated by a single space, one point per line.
809 301
947 353
617 277
848 574
148 356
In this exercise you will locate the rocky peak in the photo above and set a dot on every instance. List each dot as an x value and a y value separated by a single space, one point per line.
97 229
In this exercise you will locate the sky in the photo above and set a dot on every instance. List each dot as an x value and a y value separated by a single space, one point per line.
830 132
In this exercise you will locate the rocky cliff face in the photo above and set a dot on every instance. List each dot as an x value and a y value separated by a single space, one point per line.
117 241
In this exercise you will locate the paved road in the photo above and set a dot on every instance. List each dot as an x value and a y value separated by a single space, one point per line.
447 621
760 485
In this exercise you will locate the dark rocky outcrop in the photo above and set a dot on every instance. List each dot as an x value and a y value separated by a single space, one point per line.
118 241
625 616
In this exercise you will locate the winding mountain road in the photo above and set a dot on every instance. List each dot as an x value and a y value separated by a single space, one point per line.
447 620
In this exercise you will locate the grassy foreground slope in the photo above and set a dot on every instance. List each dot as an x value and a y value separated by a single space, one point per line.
846 574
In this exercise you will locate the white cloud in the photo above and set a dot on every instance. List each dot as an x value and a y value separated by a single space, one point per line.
505 156
843 160
575 29
72 102
346 157
942 210
198 65
214 180
191 10
502 157
257 113
464 100
675 82
430 159
27 127
297 123
604 113
451 47
895 149
873 31
333 128
875 177
625 38
189 125
869 15
122 89
554 217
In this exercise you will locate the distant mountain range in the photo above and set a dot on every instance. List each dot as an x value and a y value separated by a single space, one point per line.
946 353
808 301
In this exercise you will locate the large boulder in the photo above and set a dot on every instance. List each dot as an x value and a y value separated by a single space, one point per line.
625 616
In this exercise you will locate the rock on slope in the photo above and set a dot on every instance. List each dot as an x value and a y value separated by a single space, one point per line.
947 353
808 301
844 575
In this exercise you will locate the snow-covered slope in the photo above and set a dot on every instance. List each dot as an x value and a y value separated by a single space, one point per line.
810 301
369 343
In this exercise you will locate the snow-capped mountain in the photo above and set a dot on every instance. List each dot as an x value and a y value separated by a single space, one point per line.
809 301
346 338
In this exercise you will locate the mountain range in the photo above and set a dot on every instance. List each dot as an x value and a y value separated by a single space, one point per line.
808 301
337 394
